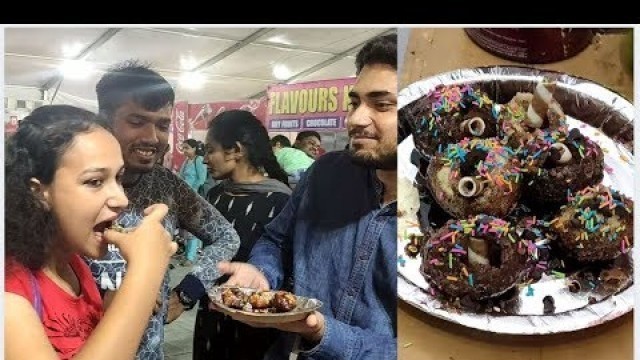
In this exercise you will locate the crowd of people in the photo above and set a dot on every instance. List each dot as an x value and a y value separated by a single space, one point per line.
91 215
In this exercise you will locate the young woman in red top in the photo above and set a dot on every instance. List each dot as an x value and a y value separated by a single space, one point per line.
62 192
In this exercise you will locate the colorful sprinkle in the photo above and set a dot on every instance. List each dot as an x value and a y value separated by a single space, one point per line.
529 290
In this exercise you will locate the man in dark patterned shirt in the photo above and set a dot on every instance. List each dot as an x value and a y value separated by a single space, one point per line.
138 103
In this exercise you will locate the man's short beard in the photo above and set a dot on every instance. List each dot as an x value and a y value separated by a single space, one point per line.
387 161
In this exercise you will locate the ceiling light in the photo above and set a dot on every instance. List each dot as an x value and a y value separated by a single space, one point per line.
76 69
72 50
191 80
188 62
281 72
279 39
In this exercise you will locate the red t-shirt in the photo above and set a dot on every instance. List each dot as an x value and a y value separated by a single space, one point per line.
68 320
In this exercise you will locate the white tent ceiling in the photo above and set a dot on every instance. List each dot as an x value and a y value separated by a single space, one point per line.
237 63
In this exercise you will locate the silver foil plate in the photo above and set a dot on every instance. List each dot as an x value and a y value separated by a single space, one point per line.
304 307
599 113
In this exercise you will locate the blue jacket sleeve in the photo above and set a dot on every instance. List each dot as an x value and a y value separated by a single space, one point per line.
342 341
267 253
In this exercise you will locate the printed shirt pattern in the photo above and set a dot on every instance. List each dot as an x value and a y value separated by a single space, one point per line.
188 211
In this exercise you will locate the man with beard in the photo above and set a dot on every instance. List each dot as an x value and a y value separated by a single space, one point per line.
339 231
137 101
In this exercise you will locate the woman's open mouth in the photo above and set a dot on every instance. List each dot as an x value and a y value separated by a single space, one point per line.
98 229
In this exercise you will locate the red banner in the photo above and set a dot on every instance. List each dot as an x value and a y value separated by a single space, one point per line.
315 105
201 114
188 119
180 132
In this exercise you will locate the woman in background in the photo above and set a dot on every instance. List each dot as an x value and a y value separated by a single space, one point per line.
194 173
193 170
238 151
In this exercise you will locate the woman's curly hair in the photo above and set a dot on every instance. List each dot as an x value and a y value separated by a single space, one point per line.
34 151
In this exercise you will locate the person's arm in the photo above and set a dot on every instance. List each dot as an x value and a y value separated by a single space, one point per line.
220 240
148 250
201 173
323 337
24 336
343 341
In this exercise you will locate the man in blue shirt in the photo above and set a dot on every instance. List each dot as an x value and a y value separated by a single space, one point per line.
338 231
